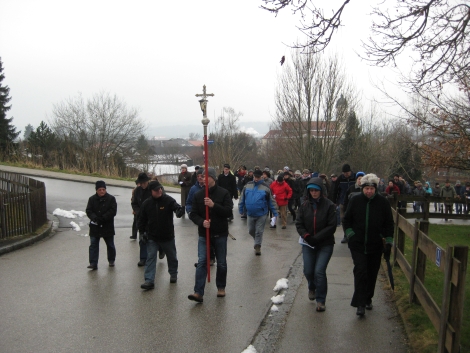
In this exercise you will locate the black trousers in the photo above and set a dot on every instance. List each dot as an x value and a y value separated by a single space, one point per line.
366 268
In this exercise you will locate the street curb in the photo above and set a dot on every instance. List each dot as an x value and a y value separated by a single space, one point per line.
270 329
27 242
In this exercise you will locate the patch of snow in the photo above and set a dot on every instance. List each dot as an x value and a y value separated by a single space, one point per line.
281 284
278 299
75 226
274 308
68 214
250 349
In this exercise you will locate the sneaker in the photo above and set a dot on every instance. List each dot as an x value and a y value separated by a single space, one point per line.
196 297
321 307
311 295
369 306
173 278
345 240
111 263
221 292
284 227
141 263
272 227
360 311
93 267
161 254
147 286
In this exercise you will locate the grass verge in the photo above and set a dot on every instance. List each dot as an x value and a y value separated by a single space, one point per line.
421 333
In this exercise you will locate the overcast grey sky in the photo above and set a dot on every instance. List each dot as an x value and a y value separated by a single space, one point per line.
157 55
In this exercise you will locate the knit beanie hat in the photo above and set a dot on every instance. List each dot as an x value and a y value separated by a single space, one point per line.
100 184
212 174
346 168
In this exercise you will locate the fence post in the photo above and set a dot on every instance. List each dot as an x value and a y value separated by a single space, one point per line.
441 347
457 295
412 297
420 256
400 241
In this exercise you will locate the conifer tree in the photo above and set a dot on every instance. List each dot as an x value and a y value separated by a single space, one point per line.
7 131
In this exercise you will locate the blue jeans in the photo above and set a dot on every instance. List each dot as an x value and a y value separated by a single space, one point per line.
219 243
153 247
315 263
256 228
94 250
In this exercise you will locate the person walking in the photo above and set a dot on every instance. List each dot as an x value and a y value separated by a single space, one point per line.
184 180
158 232
316 225
256 198
368 225
343 183
228 181
282 192
448 192
101 210
220 208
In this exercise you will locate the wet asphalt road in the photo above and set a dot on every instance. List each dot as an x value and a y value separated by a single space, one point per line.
50 302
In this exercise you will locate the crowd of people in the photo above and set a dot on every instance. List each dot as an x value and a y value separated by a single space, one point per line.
318 205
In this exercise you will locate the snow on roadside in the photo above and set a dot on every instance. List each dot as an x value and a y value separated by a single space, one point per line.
278 299
250 349
75 226
68 214
281 284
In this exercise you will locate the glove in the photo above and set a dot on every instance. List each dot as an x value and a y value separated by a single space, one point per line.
309 239
179 212
145 238
387 251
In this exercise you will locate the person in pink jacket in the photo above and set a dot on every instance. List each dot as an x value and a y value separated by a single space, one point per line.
282 192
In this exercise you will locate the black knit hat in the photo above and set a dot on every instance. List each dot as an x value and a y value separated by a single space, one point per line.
257 173
155 185
280 177
100 184
346 168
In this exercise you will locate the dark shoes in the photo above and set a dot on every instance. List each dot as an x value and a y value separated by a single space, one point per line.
311 295
133 237
345 240
321 307
147 286
196 297
161 255
369 306
173 278
284 227
111 263
272 227
93 267
221 292
257 250
243 216
212 262
141 263
360 311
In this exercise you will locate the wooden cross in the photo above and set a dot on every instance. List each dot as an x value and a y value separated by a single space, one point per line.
204 95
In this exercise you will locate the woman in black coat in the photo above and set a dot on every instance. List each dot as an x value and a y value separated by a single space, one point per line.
316 225
101 210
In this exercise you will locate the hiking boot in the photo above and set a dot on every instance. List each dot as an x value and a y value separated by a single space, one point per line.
311 295
272 227
111 263
284 227
243 216
258 250
321 307
133 237
161 254
93 267
221 292
141 263
369 306
360 311
345 240
147 286
196 297
173 278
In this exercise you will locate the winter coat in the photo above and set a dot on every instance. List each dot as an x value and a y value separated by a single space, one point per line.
427 188
257 199
448 193
156 217
229 183
185 178
317 218
218 214
101 210
352 191
189 200
367 222
140 195
341 187
390 189
282 192
240 174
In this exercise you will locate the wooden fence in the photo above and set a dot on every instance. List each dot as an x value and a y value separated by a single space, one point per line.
452 261
22 205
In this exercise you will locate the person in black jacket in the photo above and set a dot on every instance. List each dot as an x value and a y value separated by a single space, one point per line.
316 225
228 181
342 184
368 225
101 210
141 193
220 208
158 232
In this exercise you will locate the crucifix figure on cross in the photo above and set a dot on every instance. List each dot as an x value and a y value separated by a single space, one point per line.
203 101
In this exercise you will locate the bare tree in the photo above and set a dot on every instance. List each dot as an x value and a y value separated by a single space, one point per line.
308 119
436 31
102 129
230 144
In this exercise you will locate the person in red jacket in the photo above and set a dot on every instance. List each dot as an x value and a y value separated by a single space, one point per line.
282 192
391 188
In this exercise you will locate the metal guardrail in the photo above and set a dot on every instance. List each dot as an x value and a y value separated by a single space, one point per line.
22 205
